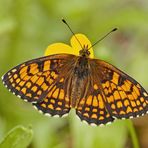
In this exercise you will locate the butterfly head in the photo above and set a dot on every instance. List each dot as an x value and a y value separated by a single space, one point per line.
84 52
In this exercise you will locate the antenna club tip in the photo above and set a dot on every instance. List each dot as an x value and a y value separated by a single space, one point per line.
114 29
63 20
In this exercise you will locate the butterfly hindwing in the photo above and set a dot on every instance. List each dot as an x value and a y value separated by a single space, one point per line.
56 101
124 97
93 110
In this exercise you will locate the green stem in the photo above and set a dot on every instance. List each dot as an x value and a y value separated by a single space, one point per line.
133 134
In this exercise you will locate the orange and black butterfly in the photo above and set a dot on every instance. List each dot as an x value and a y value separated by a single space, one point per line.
97 90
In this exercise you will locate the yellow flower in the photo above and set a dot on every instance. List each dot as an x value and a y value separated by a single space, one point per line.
75 47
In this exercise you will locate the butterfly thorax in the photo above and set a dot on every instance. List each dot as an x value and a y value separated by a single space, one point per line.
81 68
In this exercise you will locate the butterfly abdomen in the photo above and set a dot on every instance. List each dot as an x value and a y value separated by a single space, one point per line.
78 90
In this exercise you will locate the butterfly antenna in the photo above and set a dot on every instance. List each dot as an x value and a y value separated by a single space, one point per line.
103 37
63 20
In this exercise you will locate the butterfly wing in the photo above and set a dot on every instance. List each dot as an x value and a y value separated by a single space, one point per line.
43 82
56 102
124 96
33 80
92 109
111 94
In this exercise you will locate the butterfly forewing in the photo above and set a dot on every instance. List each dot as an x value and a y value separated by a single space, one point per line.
124 97
33 79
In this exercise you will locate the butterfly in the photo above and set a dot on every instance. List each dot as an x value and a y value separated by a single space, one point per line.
98 91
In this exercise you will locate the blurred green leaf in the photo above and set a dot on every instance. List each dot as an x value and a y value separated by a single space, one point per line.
18 137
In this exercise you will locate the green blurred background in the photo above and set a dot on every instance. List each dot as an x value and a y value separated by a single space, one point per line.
27 27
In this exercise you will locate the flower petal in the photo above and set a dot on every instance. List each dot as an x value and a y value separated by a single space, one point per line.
58 48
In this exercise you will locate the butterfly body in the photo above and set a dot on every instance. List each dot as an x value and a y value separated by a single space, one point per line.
76 79
97 90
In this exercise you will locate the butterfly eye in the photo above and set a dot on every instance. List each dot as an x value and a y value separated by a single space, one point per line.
88 52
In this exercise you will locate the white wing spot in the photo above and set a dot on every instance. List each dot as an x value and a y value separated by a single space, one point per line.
2 77
18 96
40 112
56 116
114 117
65 115
25 100
145 94
78 118
47 114
93 124
14 70
101 125
35 107
85 122
131 117
33 101
108 123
